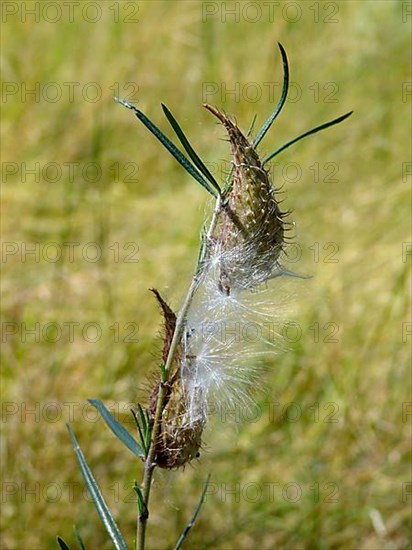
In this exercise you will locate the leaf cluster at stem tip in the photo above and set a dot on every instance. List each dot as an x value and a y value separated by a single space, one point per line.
194 165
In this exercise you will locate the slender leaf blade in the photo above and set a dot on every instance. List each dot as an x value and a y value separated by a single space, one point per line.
262 132
118 429
140 500
305 134
194 517
169 145
142 417
62 544
197 161
141 433
252 125
78 538
99 502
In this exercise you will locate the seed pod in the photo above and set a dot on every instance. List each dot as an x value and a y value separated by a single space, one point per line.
249 237
180 436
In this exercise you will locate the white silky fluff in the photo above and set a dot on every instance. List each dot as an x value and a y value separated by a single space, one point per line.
229 337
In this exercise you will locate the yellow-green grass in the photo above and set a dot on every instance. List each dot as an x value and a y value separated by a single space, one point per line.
362 461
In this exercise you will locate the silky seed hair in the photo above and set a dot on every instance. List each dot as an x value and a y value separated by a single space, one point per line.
240 253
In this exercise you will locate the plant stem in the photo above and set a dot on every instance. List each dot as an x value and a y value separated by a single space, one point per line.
150 463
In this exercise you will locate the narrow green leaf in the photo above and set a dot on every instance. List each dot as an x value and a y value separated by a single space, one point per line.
140 500
78 537
308 133
169 145
141 433
101 506
148 423
194 517
142 417
136 419
62 544
262 132
118 429
197 161
252 125
146 426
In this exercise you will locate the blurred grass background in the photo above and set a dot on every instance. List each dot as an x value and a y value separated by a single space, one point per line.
168 50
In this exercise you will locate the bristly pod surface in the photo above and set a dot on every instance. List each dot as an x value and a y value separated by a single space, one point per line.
180 436
249 236
213 355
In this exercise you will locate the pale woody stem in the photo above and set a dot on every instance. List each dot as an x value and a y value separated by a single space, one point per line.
180 323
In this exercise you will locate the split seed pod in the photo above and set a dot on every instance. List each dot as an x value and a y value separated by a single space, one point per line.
180 437
249 237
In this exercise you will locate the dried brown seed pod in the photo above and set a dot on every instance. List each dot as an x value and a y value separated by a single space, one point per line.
180 436
249 237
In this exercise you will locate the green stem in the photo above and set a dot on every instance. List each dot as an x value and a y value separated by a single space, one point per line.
150 463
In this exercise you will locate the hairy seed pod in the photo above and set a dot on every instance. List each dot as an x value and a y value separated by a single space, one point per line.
180 436
250 234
